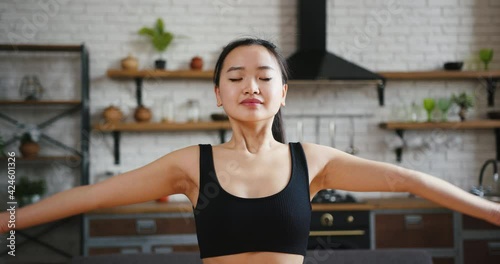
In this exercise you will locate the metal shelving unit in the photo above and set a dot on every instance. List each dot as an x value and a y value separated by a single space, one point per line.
71 106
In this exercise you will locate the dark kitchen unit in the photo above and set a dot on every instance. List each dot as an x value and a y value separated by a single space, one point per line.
338 229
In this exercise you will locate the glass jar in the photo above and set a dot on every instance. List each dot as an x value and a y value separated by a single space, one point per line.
193 111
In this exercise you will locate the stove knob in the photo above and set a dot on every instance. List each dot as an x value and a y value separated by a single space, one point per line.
326 219
350 219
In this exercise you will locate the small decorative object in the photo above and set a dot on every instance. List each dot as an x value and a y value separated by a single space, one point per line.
29 191
486 55
30 88
112 114
130 63
193 111
444 105
167 110
464 101
29 147
429 104
160 38
196 63
142 114
454 66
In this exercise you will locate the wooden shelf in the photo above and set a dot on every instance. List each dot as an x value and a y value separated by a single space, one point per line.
440 75
52 102
108 127
30 47
152 73
472 124
45 158
400 127
117 128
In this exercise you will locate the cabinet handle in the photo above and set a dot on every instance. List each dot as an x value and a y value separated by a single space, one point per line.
337 233
145 226
413 221
129 251
494 248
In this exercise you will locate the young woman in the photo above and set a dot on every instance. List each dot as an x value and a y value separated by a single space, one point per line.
251 195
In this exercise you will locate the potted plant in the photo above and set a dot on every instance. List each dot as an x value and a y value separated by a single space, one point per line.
29 191
29 147
160 38
464 101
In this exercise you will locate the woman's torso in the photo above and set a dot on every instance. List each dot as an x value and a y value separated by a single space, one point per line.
232 170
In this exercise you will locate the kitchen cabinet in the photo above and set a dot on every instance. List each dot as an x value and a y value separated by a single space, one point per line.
481 241
429 229
140 233
77 157
139 76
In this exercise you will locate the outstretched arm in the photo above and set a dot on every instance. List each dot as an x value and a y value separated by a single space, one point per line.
161 177
346 172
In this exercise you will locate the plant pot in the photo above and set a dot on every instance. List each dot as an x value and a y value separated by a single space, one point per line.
142 114
112 114
160 64
29 149
130 63
462 113
196 63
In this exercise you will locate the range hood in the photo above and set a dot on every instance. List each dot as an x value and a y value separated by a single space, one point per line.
312 61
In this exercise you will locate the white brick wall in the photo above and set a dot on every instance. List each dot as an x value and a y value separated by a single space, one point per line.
381 35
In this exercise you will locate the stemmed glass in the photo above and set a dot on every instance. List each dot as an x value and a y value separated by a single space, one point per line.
486 55
429 104
444 105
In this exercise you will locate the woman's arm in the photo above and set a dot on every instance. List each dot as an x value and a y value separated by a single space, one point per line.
161 177
351 173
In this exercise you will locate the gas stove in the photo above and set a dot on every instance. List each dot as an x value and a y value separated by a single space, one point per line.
331 196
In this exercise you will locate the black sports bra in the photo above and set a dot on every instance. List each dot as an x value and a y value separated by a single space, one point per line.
227 224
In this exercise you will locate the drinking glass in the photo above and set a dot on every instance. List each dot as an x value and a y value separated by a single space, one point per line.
444 105
429 104
486 55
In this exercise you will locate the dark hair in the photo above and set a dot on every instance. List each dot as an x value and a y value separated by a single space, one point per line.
277 127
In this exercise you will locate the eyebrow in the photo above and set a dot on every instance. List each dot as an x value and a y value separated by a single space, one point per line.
239 68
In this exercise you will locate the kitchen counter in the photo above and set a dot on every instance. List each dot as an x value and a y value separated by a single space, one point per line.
368 204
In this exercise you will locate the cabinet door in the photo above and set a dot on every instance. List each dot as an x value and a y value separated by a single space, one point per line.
427 230
443 261
481 251
114 250
472 223
141 226
161 249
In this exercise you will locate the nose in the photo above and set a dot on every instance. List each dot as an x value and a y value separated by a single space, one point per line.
252 87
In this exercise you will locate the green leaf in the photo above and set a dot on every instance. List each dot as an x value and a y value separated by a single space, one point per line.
146 31
486 54
159 26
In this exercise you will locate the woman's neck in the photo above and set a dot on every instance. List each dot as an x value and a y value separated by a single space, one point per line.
252 139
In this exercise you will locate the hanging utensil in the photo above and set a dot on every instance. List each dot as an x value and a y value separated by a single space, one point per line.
300 131
331 133
351 149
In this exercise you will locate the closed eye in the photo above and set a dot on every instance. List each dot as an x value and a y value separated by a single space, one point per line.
235 79
265 79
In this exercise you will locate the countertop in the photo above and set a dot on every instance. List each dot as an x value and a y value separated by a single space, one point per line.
368 204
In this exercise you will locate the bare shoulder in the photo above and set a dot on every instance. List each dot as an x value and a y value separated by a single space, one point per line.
185 158
317 157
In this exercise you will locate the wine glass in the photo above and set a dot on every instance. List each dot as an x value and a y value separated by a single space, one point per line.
444 105
486 55
429 104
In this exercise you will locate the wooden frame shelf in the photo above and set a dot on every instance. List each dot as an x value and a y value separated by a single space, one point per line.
117 128
41 102
152 73
149 126
400 127
490 77
440 75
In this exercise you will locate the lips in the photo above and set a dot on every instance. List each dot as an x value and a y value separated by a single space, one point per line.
251 101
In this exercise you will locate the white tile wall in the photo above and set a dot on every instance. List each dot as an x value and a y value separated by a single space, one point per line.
381 35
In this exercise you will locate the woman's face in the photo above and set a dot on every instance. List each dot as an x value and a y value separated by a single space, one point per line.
251 86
